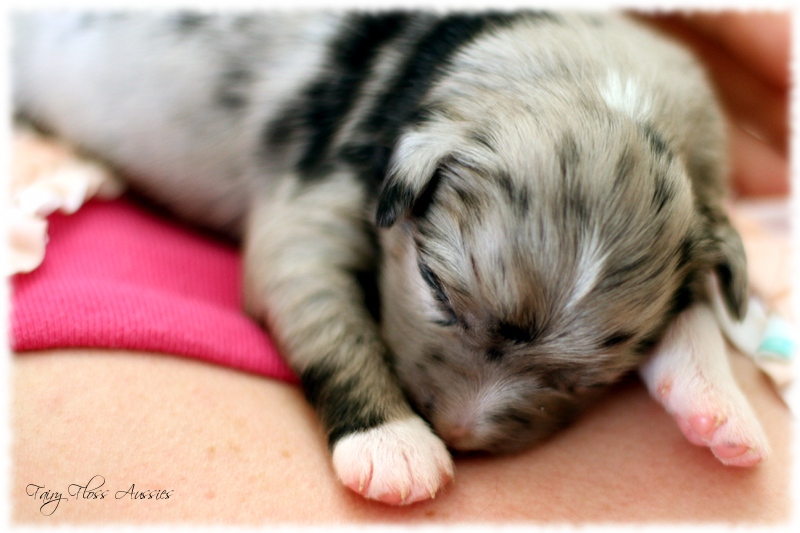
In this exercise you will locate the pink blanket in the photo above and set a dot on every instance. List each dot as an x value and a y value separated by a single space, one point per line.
117 276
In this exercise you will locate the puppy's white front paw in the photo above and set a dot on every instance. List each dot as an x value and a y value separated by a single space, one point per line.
399 462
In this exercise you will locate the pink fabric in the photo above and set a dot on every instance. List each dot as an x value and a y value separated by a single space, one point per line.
117 276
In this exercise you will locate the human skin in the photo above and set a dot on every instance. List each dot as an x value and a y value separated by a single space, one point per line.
237 448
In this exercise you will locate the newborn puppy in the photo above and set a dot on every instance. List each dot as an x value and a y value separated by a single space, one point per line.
538 194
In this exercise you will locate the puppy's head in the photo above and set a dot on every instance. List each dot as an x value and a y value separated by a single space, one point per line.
530 260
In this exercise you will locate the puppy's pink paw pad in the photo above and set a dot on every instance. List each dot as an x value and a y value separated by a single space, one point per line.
735 439
703 426
397 463
689 432
738 455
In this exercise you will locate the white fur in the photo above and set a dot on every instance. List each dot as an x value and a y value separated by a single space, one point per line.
183 146
591 268
399 462
625 95
690 375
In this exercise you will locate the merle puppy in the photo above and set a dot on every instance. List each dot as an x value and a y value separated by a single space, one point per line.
539 195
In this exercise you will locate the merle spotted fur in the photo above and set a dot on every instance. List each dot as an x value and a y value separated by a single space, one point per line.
538 195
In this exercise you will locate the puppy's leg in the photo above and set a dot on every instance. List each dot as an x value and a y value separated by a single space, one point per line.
690 376
304 244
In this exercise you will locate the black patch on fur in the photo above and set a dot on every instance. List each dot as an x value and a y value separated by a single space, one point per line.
189 21
515 333
576 208
368 281
507 186
427 112
523 202
233 87
575 205
340 410
662 192
317 115
510 415
482 139
394 200
644 346
423 114
471 201
436 357
568 156
328 100
624 168
682 299
619 275
423 65
371 160
616 339
658 145
518 197
276 133
425 198
725 275
558 379
435 284
685 252
494 354
333 97
428 60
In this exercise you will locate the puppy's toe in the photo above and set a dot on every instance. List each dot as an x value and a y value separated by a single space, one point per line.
721 420
399 462
738 454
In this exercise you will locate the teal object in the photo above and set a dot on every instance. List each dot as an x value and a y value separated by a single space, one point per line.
778 339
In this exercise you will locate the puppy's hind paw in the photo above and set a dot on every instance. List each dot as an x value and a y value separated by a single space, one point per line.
689 374
399 462
713 414
736 440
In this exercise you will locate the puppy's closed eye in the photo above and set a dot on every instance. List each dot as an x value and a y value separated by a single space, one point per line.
435 284
515 333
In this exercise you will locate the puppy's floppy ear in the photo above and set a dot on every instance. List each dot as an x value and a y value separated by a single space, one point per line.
731 269
724 252
412 177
